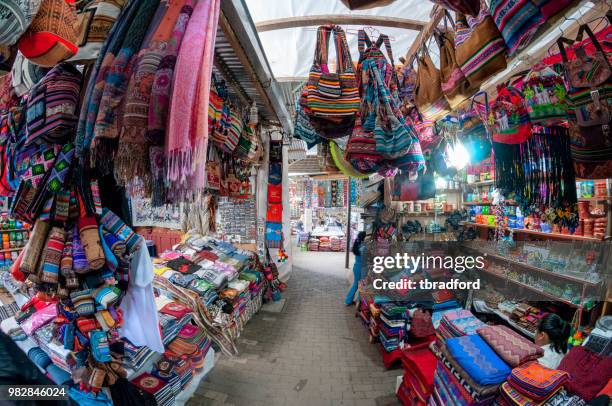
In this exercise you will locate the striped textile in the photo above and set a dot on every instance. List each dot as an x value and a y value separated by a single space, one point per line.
517 20
113 224
53 255
52 106
509 345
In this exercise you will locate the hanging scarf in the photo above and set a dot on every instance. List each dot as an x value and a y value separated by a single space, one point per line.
106 127
538 170
159 102
188 127
132 155
95 87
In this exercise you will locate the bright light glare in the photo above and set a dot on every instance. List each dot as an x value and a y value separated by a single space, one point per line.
459 156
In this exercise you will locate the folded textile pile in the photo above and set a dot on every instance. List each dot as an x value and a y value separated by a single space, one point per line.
479 360
451 379
527 316
313 244
532 384
436 315
513 348
161 390
136 357
417 383
393 325
458 323
324 244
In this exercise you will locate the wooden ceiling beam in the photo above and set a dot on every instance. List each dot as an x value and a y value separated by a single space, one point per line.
425 34
340 19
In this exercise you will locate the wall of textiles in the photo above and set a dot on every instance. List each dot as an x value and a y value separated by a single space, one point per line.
274 215
111 116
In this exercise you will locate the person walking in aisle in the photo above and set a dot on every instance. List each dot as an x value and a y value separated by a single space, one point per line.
358 248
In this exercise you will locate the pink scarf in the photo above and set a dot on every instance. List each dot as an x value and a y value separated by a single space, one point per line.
187 133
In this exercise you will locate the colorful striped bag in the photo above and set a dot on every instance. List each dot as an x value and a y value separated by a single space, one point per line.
517 20
479 46
332 95
590 107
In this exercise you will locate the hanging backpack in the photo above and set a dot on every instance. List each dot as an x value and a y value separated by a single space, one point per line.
15 18
479 47
509 116
330 95
95 21
429 97
469 7
455 85
590 107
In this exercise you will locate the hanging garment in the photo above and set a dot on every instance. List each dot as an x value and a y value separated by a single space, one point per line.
428 95
106 128
140 317
95 88
187 135
132 159
159 101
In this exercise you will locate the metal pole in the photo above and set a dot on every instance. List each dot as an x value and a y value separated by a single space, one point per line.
348 226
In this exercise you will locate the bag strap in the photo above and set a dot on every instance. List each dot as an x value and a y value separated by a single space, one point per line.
363 41
344 60
585 28
322 48
384 39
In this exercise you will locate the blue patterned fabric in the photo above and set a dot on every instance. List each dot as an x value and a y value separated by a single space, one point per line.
479 360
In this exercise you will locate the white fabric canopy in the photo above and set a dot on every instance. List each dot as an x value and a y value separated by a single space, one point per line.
290 51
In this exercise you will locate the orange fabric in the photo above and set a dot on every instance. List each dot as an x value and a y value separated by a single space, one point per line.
607 390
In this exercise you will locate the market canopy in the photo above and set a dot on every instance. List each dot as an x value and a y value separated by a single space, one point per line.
287 29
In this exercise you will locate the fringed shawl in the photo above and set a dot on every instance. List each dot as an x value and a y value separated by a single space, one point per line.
188 127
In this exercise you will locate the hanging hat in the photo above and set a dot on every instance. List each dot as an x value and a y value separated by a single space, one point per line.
52 36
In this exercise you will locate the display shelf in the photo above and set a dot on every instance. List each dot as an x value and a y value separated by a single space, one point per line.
425 213
507 203
482 183
540 270
513 324
12 249
7 230
546 294
595 199
537 233
448 191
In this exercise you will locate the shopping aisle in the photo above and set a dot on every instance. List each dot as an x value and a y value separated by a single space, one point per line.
315 352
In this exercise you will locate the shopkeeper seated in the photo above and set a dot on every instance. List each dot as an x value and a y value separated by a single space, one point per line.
552 335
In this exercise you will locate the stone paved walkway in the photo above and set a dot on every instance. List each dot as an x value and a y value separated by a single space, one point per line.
315 352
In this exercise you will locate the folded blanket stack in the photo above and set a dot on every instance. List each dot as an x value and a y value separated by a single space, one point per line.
458 323
513 348
454 385
161 390
417 383
393 324
532 384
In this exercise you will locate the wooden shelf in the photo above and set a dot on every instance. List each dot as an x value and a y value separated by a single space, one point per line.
595 199
13 229
537 233
424 214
